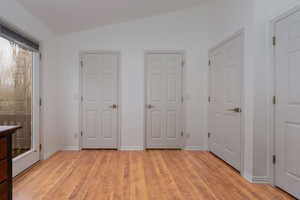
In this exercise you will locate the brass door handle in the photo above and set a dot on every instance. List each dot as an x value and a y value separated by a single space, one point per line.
150 106
238 110
114 106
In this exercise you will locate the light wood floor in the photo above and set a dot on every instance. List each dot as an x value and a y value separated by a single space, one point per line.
137 175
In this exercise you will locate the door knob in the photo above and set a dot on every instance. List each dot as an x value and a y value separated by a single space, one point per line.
150 106
114 106
238 110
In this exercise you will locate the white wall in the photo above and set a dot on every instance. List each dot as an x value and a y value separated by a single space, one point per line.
265 11
193 30
49 71
225 19
185 30
255 16
16 16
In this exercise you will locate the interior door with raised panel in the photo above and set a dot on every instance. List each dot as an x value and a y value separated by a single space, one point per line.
164 100
100 100
225 87
287 109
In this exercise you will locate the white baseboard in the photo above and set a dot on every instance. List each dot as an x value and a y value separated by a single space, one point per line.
70 148
262 180
194 148
123 148
248 177
46 156
131 148
49 154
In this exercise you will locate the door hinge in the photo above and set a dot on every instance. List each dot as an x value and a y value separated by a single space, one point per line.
208 135
274 159
182 133
40 102
274 100
182 63
81 133
40 147
209 98
182 99
40 56
209 62
81 98
81 63
274 40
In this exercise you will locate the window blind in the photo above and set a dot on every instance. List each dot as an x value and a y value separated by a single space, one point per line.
18 38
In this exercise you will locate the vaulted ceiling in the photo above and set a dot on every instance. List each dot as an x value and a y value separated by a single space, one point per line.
65 16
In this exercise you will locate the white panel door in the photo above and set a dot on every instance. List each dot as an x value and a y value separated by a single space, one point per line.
164 100
287 111
225 101
100 100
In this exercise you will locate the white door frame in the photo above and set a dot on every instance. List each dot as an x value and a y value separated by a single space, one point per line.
239 33
81 54
183 89
27 159
272 88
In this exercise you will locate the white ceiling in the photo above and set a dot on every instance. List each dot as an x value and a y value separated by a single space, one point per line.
65 16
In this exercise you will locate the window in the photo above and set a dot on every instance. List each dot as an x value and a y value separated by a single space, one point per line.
17 55
16 92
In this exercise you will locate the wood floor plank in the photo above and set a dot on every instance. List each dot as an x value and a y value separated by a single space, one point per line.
185 184
138 175
97 190
166 178
152 177
203 191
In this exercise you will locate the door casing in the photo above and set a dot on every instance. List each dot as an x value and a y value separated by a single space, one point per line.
81 54
239 33
183 105
27 159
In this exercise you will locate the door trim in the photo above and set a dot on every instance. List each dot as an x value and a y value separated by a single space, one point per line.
272 87
183 89
29 158
239 33
80 117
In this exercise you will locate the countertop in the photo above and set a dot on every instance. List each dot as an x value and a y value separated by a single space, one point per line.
4 130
